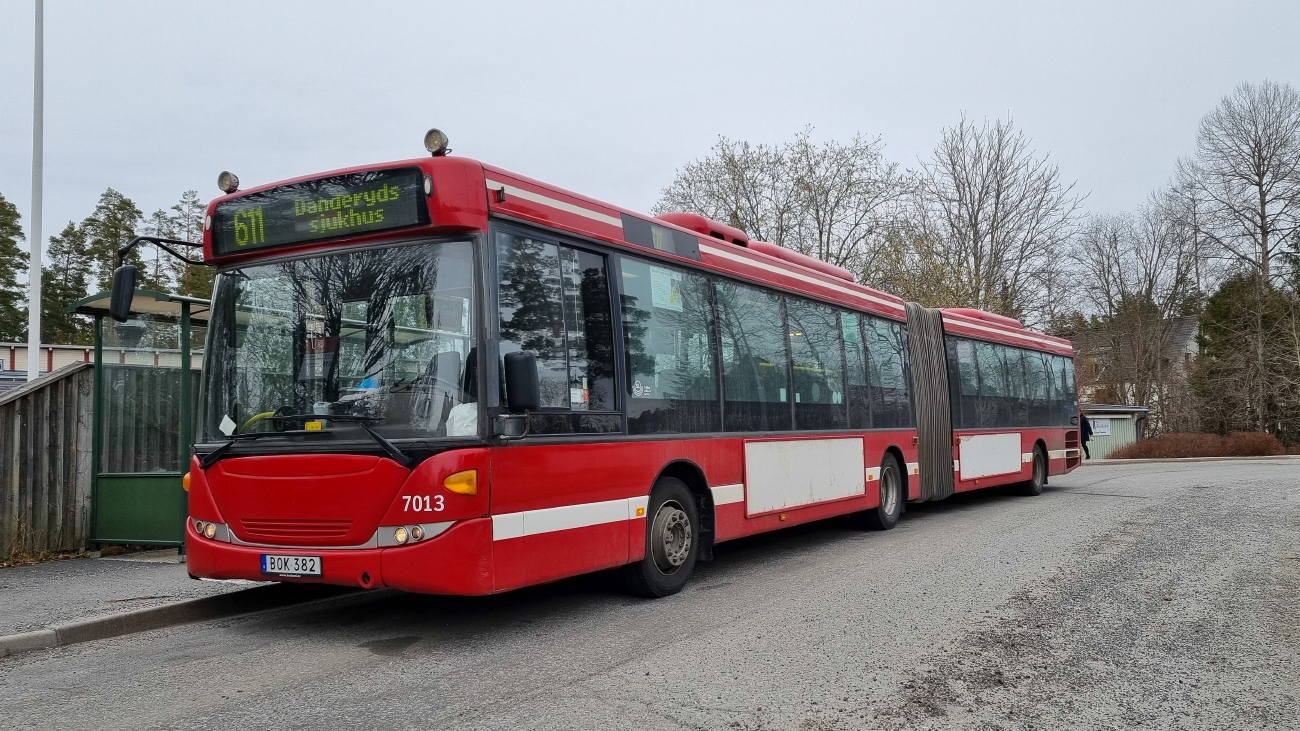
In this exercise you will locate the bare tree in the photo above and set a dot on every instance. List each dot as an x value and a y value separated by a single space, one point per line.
996 215
1137 273
1247 167
832 201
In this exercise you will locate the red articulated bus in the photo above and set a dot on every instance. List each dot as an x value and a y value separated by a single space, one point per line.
439 376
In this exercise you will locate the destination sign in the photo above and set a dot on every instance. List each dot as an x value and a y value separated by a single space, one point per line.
325 208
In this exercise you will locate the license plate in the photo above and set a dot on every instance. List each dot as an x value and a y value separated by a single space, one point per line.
290 565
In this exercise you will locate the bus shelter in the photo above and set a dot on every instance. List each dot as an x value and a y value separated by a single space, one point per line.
142 419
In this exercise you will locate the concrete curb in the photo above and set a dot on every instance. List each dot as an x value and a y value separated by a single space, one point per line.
1162 460
232 604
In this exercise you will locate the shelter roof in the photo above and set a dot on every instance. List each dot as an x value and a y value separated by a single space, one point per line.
145 302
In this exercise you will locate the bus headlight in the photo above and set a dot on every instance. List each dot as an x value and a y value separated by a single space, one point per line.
210 530
400 535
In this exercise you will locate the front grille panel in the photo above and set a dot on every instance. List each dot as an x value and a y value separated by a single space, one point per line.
297 530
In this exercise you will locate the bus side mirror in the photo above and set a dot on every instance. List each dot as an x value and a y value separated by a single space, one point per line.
119 303
523 388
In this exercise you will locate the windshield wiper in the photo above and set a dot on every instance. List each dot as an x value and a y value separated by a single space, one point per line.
393 451
211 458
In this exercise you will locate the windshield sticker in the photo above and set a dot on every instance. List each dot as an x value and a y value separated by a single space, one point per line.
227 425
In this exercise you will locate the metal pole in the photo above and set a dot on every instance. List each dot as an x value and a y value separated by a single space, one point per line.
96 430
38 163
186 406
186 395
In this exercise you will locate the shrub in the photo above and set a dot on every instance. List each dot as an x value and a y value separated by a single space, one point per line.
1236 444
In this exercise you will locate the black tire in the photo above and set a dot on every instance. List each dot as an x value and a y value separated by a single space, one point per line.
885 515
672 542
1035 484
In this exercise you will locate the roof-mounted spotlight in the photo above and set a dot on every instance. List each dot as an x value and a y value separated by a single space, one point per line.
435 141
228 182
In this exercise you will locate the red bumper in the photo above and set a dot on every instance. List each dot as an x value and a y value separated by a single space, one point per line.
458 561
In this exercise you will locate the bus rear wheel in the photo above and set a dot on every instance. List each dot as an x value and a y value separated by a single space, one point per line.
672 542
885 515
1038 480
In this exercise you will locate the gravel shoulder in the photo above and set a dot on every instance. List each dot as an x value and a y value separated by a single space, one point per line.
1152 596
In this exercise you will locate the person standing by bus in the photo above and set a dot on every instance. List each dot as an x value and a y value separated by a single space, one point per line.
1085 433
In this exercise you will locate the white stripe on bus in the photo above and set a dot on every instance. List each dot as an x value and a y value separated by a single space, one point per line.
1009 333
715 251
540 199
567 517
728 494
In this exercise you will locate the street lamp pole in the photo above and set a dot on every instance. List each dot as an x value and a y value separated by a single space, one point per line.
38 164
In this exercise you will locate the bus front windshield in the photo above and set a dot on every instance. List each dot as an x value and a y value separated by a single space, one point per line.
378 338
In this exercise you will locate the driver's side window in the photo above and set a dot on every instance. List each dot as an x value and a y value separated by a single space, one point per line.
554 301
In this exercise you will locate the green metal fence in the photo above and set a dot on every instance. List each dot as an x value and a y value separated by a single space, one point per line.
138 493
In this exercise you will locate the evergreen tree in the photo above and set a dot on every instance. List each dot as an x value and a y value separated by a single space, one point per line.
113 224
159 263
64 282
1238 389
187 225
13 312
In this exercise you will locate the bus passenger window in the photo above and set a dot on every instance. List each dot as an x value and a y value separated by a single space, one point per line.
1019 402
890 401
859 398
756 371
1037 390
1058 397
815 345
965 383
672 382
993 385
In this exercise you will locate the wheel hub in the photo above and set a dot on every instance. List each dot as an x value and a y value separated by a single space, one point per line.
670 537
889 492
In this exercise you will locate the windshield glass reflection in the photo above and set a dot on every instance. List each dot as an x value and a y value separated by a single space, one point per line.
384 337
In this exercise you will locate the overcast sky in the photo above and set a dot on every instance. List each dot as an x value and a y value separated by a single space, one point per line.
606 98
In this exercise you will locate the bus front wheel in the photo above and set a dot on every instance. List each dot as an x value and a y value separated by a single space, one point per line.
672 542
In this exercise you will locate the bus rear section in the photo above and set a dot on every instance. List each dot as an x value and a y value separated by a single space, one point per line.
997 403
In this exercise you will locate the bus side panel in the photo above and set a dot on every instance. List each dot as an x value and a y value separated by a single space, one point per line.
565 509
732 520
1061 451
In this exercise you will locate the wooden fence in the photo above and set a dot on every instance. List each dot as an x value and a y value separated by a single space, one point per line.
45 455
45 449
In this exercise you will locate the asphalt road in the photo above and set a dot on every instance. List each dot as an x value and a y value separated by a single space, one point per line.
1161 596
